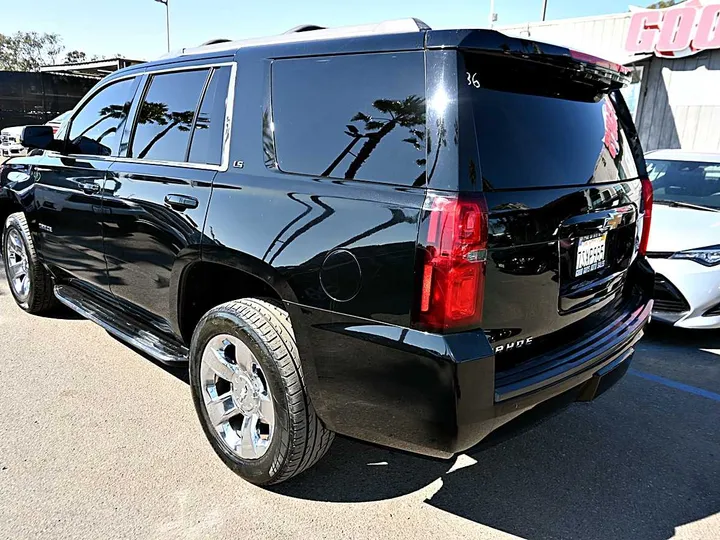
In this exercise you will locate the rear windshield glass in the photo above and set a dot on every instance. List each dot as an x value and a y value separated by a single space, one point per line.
537 127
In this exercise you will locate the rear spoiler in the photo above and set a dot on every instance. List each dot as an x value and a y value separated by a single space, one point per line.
492 42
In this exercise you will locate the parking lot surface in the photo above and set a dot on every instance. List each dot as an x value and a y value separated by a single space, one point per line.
98 440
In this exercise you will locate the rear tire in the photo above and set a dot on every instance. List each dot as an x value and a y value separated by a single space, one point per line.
258 361
30 282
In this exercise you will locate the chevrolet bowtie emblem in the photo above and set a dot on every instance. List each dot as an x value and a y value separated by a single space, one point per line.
613 221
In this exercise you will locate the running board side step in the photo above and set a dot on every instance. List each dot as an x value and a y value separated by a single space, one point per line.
123 326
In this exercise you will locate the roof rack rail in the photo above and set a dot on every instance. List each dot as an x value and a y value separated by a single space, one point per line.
305 28
310 33
215 41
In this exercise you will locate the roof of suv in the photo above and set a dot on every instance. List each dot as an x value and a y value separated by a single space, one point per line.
307 33
387 36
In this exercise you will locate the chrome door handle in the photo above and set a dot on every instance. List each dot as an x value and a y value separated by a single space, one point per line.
180 202
90 187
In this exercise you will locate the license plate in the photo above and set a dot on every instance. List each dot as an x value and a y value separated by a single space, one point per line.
590 254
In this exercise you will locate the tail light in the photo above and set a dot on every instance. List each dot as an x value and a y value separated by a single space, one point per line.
453 271
647 204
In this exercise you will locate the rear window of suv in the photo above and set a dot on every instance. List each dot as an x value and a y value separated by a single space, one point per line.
537 129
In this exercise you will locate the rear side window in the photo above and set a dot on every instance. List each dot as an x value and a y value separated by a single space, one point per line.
536 128
95 128
167 115
355 117
207 142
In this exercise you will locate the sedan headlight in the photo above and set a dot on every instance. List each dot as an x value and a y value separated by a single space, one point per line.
709 256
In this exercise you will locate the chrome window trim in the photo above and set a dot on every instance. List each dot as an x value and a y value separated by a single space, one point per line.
229 104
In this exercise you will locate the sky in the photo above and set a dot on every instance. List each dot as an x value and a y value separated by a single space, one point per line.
136 28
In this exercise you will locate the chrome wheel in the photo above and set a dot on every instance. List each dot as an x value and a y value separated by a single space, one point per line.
237 396
17 264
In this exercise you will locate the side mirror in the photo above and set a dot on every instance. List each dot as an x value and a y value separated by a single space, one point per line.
40 137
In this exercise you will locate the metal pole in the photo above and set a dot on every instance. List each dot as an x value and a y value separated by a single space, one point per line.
492 13
167 21
544 11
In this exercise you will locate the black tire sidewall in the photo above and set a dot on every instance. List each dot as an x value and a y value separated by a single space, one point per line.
263 470
13 223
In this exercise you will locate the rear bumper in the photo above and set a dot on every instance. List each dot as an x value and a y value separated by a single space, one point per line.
439 395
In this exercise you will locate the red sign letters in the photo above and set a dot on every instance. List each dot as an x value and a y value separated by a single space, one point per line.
678 31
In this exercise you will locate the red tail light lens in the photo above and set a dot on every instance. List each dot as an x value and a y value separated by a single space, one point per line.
453 273
647 204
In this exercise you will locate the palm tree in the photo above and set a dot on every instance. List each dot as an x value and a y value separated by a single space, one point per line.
183 120
407 113
115 112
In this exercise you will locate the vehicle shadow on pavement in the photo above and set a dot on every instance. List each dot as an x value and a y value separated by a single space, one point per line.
637 463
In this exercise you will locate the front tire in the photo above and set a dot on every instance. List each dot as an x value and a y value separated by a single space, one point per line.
249 393
30 283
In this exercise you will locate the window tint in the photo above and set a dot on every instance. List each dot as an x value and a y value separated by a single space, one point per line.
207 143
329 120
166 116
537 127
95 128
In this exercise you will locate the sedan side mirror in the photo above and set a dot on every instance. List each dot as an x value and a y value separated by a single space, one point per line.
41 137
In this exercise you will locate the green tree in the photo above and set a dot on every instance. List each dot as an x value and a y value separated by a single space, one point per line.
74 57
663 4
28 51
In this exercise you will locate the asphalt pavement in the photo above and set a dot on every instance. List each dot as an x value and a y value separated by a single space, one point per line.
97 440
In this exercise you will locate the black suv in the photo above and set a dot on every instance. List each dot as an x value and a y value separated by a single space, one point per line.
401 235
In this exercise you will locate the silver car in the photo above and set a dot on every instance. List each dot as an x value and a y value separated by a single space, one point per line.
684 245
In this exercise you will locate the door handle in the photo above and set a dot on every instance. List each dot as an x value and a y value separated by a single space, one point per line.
180 202
90 187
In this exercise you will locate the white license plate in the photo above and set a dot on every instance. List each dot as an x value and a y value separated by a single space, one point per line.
590 254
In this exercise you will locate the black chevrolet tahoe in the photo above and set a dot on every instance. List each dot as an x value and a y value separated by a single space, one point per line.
396 234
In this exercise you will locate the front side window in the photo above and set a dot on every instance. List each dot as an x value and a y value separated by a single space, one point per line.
356 117
95 128
167 116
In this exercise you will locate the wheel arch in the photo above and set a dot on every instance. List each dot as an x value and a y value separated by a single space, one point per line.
218 276
257 279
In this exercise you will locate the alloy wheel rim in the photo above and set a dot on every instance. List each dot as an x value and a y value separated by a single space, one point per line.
237 397
17 264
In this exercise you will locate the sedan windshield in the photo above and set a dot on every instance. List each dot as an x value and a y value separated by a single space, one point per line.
690 182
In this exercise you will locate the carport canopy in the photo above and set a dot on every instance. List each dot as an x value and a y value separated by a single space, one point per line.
96 68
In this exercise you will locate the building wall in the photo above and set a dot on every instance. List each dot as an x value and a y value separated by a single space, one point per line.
602 36
679 102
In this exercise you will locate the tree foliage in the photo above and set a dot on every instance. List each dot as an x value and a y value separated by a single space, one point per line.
28 51
664 4
75 57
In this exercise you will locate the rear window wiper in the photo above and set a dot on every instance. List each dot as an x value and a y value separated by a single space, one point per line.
678 204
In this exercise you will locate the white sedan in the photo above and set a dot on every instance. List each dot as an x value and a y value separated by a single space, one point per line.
684 245
10 137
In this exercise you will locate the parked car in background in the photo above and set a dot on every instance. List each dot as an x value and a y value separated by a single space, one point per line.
684 244
10 142
10 145
402 235
57 122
